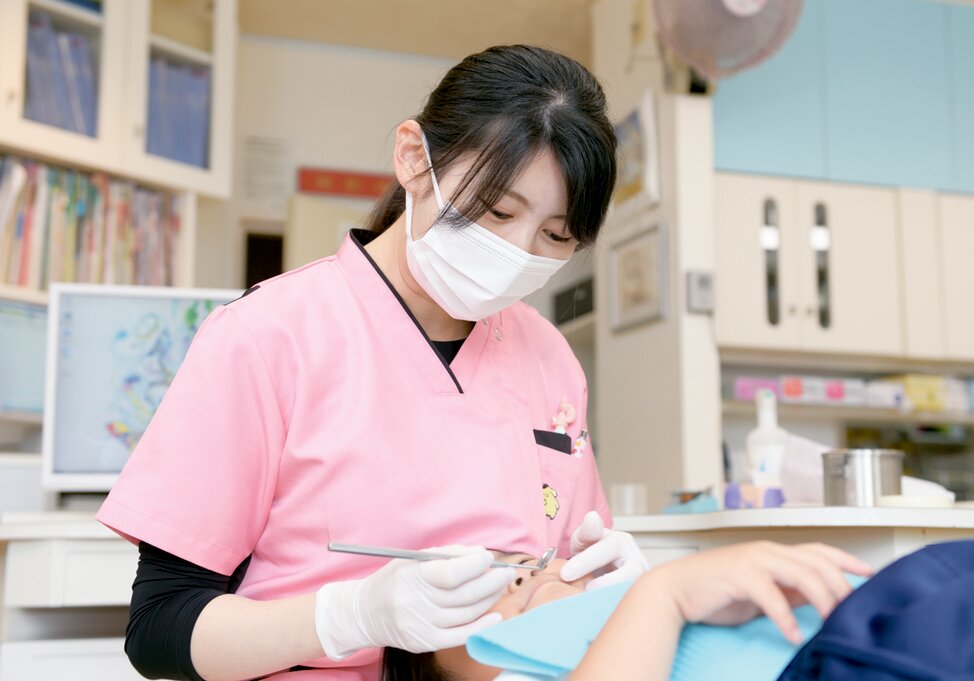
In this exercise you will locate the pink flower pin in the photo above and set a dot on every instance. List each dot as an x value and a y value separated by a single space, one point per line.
565 416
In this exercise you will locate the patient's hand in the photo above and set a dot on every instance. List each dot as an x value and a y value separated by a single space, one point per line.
733 584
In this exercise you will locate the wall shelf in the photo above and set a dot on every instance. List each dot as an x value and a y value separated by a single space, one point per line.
23 295
781 360
176 49
65 10
28 418
858 414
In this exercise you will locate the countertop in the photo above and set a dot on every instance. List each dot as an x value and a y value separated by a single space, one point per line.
805 516
82 525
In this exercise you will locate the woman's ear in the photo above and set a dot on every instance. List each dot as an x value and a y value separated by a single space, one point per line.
409 158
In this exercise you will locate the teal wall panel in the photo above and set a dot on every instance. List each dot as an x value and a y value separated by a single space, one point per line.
887 94
960 39
770 119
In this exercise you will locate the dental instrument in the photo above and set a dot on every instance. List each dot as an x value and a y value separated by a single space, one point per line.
384 552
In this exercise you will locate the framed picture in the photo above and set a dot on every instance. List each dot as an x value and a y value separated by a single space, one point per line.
637 278
637 153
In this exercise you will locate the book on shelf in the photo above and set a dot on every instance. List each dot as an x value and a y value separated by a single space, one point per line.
61 89
65 225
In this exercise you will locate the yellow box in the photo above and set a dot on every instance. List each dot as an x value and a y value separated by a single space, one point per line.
923 392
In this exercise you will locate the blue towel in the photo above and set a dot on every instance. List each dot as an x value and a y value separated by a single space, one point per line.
551 640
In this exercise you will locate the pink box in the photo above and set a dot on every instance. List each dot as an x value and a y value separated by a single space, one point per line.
746 387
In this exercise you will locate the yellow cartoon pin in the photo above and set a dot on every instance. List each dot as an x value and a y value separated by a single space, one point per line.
550 499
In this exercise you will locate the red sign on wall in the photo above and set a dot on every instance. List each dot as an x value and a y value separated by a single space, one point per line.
342 183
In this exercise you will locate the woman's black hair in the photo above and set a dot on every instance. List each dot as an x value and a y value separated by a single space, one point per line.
399 665
504 106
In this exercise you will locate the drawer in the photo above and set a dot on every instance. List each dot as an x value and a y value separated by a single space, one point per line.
69 572
96 659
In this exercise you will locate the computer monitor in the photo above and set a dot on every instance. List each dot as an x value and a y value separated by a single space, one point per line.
23 334
112 352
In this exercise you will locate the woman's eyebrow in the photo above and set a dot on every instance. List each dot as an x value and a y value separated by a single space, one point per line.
527 204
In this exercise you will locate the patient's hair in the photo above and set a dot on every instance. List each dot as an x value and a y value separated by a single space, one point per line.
400 665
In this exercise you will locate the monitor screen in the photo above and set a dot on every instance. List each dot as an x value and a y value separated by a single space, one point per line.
112 353
23 334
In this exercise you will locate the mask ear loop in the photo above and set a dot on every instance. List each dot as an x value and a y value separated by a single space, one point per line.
436 185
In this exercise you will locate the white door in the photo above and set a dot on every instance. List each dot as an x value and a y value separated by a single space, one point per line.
957 233
849 268
757 281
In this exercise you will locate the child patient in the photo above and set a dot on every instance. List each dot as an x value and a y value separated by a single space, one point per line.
730 585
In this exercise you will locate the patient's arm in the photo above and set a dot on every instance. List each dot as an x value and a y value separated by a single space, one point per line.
639 640
729 585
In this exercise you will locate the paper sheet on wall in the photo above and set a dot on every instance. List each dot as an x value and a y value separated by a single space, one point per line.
267 177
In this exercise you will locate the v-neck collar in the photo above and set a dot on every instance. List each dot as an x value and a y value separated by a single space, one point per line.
375 289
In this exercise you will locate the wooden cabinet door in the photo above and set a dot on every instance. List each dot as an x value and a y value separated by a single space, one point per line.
957 234
756 283
849 269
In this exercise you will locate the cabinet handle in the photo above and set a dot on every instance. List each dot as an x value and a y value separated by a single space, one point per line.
11 95
139 131
810 311
792 310
770 243
821 243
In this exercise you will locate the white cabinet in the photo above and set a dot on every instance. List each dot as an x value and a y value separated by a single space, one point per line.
937 252
957 249
921 275
156 105
806 266
758 288
98 659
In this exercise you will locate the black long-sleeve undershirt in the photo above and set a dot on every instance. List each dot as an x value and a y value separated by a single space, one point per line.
168 596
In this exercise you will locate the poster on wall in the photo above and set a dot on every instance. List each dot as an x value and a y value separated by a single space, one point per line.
266 177
637 278
637 153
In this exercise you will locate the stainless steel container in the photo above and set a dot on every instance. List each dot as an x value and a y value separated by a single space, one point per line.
859 477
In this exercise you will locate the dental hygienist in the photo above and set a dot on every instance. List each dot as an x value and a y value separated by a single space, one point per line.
397 394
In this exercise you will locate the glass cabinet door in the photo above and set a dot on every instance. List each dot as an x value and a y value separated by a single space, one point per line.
61 76
180 75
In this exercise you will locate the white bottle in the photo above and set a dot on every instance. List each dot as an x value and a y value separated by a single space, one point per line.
766 443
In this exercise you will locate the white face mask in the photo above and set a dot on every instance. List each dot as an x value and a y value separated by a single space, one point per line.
469 271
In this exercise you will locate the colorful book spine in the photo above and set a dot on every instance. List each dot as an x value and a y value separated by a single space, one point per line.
65 225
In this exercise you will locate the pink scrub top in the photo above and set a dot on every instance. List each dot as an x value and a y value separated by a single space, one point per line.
315 409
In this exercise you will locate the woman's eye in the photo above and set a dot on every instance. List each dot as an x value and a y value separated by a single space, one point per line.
557 238
499 215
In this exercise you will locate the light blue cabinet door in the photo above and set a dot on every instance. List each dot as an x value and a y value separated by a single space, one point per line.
770 119
960 38
887 98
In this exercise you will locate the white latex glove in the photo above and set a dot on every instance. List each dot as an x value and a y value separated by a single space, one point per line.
594 548
411 605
